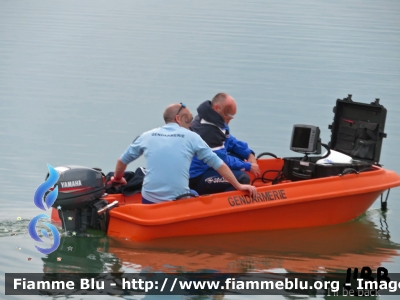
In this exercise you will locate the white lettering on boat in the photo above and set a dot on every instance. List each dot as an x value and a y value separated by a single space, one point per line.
215 179
67 184
261 197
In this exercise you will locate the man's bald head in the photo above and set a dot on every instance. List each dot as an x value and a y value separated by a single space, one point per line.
178 113
225 105
171 112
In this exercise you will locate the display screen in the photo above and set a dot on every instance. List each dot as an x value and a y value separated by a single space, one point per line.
301 137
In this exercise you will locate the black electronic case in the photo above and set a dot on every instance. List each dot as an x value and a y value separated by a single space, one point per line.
357 131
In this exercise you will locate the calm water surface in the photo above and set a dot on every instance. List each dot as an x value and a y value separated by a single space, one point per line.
80 79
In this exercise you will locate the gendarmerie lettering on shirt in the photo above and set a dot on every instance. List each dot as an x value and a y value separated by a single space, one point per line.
168 135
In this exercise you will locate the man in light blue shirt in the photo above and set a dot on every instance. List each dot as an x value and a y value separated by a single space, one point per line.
169 151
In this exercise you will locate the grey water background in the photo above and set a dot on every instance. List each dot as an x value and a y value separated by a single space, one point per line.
79 80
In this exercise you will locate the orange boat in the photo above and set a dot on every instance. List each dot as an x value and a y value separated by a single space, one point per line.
307 203
292 192
319 202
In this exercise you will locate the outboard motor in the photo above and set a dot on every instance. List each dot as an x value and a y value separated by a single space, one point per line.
79 198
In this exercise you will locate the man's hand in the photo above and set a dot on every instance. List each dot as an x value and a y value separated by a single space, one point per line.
225 172
116 181
255 169
118 177
251 189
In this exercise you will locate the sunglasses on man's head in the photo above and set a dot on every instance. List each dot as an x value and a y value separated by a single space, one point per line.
180 108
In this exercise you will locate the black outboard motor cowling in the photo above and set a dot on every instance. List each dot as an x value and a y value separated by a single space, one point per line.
79 198
78 186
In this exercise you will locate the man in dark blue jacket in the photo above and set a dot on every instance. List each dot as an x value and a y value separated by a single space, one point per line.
211 124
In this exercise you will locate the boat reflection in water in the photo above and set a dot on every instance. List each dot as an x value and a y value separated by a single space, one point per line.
309 250
330 249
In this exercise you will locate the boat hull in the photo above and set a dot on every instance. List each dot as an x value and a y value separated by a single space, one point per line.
296 215
309 203
286 205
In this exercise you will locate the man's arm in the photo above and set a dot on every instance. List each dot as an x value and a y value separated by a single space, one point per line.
225 172
233 162
205 153
239 148
119 173
255 169
130 154
242 150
